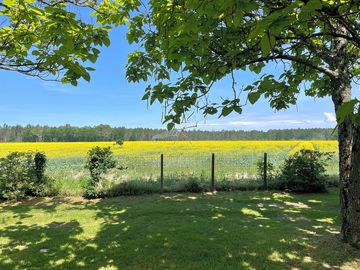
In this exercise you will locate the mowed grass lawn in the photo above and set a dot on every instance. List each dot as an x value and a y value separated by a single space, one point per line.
235 230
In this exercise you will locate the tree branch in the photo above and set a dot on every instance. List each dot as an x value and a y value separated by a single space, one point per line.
295 59
279 55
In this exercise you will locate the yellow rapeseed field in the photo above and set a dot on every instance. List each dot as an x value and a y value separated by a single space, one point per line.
178 148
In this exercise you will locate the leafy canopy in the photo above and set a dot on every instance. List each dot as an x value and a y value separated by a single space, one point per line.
187 45
52 40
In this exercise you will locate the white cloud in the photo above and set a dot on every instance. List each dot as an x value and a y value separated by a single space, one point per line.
329 117
256 124
270 121
57 87
262 122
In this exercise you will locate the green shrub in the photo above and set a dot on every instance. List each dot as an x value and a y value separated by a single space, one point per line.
232 185
277 183
305 171
270 170
119 142
130 188
225 185
48 187
99 161
42 185
22 174
92 191
40 166
16 172
193 185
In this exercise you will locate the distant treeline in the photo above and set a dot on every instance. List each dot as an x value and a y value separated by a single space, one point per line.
69 133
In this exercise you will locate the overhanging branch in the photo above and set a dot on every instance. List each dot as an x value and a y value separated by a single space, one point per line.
281 56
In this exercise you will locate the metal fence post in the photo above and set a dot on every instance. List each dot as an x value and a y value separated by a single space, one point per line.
265 171
162 172
213 172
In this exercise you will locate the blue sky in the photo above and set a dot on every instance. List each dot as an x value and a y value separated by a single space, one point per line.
110 99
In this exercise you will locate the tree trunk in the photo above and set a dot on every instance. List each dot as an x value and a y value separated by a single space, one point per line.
349 144
353 211
341 92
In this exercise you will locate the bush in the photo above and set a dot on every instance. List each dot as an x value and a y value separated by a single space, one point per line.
92 191
270 170
99 161
130 188
192 185
42 184
40 166
119 142
48 188
243 185
225 185
22 174
305 171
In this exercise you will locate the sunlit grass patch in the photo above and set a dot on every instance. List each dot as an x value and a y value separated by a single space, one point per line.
233 230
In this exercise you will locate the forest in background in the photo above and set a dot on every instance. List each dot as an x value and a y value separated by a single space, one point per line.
68 133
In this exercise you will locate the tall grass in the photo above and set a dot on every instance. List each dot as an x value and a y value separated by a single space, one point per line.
235 162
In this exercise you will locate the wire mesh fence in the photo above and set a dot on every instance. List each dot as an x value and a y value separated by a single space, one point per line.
178 168
235 161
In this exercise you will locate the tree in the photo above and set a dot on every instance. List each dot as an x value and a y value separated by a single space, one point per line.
187 45
45 39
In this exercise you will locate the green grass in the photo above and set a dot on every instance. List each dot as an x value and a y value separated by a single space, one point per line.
233 230
71 176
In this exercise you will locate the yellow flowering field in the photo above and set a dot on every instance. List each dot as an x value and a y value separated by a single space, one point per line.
170 148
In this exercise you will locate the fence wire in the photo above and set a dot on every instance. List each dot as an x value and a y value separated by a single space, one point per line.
178 167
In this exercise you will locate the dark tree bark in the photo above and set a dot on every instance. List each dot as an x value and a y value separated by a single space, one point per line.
349 145
353 213
341 94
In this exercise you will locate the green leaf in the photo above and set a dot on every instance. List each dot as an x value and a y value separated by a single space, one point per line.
253 97
146 96
152 99
309 9
257 68
346 110
92 58
265 45
68 44
170 126
38 11
356 118
210 110
238 18
238 109
313 5
265 85
250 87
226 111
223 69
86 76
106 41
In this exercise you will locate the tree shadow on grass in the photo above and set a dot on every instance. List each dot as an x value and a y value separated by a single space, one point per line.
244 230
39 246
